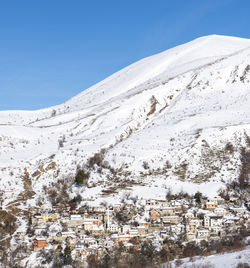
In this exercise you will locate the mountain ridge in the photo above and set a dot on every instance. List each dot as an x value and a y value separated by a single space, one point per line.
157 110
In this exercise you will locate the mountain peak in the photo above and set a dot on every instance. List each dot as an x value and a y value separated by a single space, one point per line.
226 38
182 106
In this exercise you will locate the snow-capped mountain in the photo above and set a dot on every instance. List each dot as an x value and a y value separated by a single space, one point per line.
178 120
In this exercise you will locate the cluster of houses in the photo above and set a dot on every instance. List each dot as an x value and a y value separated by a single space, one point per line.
93 229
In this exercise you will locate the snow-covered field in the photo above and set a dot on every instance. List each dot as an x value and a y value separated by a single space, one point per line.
182 106
226 260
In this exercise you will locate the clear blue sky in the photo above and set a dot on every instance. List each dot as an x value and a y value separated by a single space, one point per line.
50 50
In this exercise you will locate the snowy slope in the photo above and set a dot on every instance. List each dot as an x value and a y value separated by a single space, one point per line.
226 260
181 106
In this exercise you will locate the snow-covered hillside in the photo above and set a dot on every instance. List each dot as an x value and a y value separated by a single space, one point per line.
175 120
226 260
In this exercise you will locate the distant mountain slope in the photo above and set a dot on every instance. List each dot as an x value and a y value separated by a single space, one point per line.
177 119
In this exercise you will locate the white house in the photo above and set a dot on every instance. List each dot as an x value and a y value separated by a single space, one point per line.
203 233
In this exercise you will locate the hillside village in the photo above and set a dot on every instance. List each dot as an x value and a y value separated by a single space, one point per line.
163 150
92 230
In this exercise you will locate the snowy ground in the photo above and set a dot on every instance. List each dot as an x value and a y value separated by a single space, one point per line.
227 260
